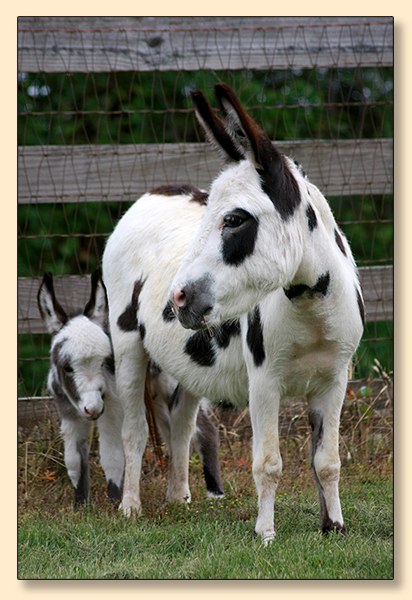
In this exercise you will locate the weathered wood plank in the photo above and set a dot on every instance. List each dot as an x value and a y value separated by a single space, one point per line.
106 172
96 44
74 290
34 411
377 287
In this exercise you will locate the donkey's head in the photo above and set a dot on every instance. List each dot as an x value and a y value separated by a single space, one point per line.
81 359
249 242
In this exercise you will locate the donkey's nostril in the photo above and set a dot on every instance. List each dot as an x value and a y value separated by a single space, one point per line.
180 299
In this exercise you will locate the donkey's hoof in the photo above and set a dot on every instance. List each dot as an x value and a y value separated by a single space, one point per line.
334 527
266 540
130 508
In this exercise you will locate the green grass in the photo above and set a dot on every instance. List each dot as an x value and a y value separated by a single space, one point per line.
211 539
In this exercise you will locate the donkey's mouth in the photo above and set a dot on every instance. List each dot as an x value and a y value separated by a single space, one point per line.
92 416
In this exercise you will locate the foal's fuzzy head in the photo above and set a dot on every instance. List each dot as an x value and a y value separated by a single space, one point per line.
81 361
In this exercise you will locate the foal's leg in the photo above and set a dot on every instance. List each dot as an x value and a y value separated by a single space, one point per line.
76 434
324 416
111 446
130 365
267 462
183 412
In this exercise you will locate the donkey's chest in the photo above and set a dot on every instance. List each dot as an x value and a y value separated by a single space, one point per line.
308 367
304 349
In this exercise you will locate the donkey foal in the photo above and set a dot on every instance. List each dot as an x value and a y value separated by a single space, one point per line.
82 381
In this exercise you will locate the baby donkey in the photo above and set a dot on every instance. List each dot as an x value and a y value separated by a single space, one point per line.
82 382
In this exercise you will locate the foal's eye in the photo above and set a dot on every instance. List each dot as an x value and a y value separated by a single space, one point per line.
68 369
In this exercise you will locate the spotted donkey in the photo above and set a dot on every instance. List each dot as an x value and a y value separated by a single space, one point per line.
249 293
82 382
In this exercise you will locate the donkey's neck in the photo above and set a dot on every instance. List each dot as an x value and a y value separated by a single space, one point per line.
317 265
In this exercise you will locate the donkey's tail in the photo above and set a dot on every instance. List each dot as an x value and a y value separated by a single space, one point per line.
151 418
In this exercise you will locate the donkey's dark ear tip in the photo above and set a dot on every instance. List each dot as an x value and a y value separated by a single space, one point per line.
96 276
97 272
222 88
197 96
48 278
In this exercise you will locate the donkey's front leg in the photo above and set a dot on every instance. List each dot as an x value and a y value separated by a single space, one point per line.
324 415
267 462
130 379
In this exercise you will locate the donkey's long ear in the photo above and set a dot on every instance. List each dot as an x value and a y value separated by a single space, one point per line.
52 313
97 308
215 130
246 133
276 179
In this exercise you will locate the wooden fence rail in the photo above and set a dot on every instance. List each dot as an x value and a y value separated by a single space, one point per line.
74 290
102 44
93 173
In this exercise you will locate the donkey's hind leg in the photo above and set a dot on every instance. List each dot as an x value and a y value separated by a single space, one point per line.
206 443
76 434
183 412
324 417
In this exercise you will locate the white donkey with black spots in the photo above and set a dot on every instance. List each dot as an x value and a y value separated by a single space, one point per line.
249 293
82 382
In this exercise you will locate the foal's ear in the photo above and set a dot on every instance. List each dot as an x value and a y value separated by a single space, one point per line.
52 313
97 308
215 130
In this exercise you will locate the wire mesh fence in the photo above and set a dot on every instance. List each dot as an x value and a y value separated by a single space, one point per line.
104 114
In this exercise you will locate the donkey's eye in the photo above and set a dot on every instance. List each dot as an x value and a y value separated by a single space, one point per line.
68 369
235 218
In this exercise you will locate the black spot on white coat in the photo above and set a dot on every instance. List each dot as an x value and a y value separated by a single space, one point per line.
280 185
225 332
339 241
185 189
361 306
311 215
200 348
254 337
127 321
321 288
239 242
